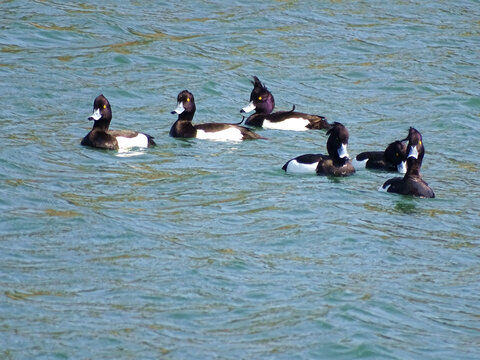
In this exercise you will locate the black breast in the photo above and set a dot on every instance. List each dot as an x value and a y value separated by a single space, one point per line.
100 139
183 129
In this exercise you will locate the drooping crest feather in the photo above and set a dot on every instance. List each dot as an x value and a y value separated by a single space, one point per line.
257 83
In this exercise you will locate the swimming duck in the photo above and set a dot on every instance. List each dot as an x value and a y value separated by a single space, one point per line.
412 183
336 163
394 158
262 101
101 137
183 127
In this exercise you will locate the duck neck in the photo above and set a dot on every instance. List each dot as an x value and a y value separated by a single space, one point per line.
183 128
413 166
102 124
186 116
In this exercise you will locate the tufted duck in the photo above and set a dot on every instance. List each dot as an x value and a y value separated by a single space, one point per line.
101 137
336 163
184 128
394 158
262 101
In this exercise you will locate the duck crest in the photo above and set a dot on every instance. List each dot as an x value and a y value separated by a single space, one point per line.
258 84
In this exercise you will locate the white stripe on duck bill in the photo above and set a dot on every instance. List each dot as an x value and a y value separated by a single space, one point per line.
249 107
230 134
292 124
296 167
141 140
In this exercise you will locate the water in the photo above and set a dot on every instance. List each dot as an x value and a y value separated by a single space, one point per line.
199 249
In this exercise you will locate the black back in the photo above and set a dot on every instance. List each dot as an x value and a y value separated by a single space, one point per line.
305 159
389 159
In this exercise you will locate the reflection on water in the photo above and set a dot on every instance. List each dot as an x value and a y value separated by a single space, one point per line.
130 152
406 205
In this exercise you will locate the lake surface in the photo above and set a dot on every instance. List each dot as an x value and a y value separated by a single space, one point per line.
208 250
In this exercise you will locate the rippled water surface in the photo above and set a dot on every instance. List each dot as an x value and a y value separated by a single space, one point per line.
199 249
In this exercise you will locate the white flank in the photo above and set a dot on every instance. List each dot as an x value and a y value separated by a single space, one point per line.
295 167
402 167
342 151
292 124
230 134
249 107
140 140
359 164
384 189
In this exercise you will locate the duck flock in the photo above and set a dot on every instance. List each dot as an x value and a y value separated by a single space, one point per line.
397 157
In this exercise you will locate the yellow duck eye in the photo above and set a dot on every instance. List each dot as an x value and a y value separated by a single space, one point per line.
396 154
259 98
104 106
188 99
420 142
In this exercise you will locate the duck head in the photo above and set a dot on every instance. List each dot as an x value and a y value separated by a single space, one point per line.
396 154
415 151
337 142
102 112
261 100
185 106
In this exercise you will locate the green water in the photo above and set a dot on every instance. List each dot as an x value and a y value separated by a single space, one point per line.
201 250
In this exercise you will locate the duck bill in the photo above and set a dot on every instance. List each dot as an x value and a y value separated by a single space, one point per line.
179 109
342 151
402 167
413 152
248 108
96 115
